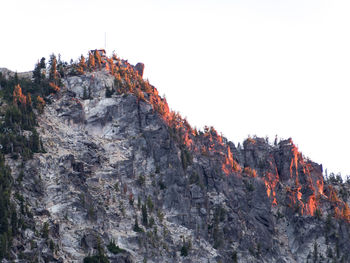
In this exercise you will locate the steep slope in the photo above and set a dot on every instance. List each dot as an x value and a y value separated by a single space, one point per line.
120 167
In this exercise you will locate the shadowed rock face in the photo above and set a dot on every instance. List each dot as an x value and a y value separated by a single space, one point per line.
139 68
111 159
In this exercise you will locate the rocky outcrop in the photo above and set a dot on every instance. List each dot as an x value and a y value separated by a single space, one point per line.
124 169
140 68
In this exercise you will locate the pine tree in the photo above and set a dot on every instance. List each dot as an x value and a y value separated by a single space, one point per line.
37 74
40 104
98 58
53 73
85 94
29 101
346 212
18 97
42 64
89 93
35 142
91 61
16 78
144 215
82 65
111 66
60 66
315 253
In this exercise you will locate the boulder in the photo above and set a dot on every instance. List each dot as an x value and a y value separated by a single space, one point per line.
140 68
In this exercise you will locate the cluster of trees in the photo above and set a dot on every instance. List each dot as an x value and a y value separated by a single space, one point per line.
19 117
99 257
22 97
26 97
113 248
48 79
127 80
8 215
18 134
94 62
12 139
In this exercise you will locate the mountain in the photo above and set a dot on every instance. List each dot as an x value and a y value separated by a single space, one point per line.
96 168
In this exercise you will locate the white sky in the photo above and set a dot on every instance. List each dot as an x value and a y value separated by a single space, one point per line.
247 67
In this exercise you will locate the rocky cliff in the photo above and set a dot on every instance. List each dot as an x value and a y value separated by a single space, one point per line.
123 179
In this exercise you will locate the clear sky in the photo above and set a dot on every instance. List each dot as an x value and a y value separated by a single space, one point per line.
246 67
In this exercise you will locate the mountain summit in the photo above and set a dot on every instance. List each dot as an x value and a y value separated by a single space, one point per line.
96 168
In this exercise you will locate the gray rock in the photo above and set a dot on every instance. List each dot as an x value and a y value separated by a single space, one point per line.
140 68
109 157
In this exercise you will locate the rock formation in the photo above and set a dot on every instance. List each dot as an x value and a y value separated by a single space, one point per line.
123 170
139 68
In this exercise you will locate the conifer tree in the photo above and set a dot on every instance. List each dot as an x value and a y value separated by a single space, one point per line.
144 215
37 74
53 73
346 212
18 96
98 58
85 94
60 66
82 65
42 63
39 71
91 61
29 101
16 78
40 104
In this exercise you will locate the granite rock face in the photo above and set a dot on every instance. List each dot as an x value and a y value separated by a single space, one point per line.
115 163
140 68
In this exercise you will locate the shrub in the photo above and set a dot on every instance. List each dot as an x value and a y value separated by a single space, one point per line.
234 257
184 251
186 247
137 228
115 249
